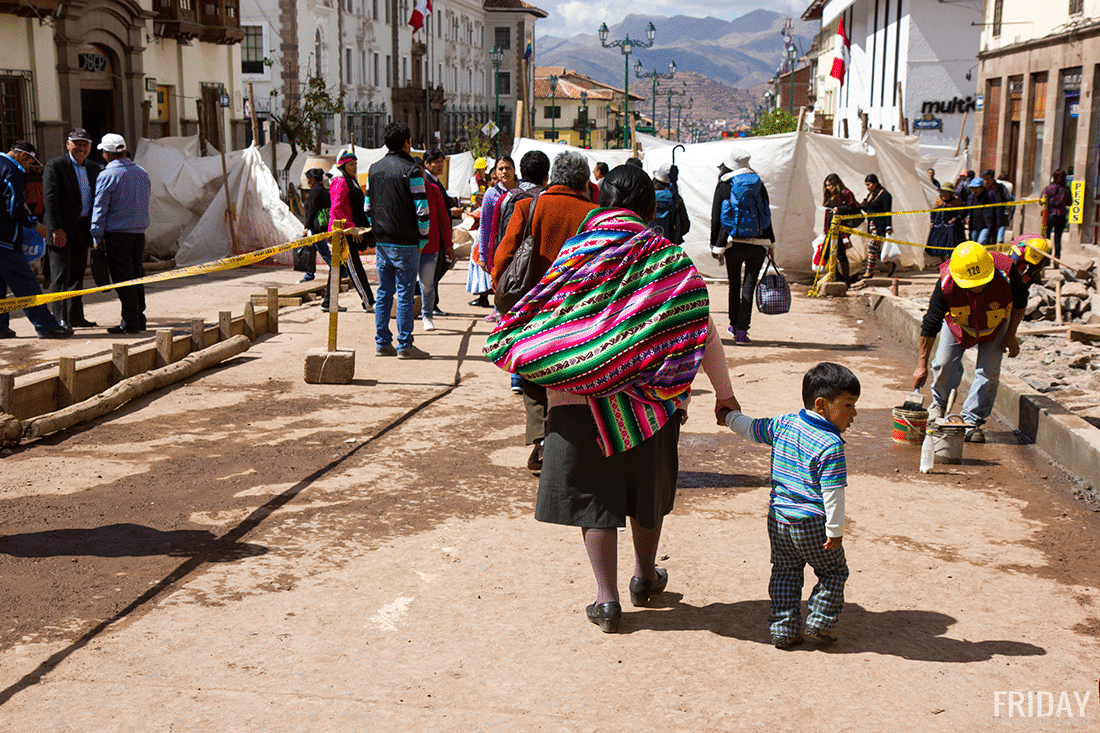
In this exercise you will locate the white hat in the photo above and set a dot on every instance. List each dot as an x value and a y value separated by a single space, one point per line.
663 174
112 143
736 158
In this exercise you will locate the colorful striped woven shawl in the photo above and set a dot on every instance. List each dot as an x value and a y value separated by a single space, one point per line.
620 318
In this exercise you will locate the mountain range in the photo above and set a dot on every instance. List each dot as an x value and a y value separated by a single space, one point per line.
722 59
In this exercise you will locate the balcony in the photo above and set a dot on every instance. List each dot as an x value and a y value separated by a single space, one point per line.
29 8
175 19
221 22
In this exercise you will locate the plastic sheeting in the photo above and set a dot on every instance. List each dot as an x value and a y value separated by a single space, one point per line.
187 208
793 166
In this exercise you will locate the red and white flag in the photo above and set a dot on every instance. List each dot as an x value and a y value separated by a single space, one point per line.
422 10
840 63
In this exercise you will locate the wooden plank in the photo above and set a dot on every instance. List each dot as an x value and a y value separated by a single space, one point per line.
198 334
34 398
1084 334
225 322
181 347
250 321
285 301
120 360
163 347
7 386
273 309
66 373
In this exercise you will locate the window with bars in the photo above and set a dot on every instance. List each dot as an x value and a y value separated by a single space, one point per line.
998 14
504 82
502 38
15 112
252 50
1076 7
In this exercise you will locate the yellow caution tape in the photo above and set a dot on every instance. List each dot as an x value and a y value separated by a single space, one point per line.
929 211
241 260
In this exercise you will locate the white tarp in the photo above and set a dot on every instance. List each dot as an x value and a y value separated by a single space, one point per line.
793 166
187 209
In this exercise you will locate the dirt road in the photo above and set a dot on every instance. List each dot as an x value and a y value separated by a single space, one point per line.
249 553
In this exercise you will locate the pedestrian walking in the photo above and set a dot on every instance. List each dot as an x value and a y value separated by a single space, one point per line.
741 235
15 274
1056 198
120 216
838 200
878 201
346 199
398 210
68 191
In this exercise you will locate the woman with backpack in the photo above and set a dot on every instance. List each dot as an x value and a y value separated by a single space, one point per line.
672 215
740 235
838 201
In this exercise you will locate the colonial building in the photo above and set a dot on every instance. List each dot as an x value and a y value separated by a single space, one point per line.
575 109
1039 74
439 80
135 68
910 69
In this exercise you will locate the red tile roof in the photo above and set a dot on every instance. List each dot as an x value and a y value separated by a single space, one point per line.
513 6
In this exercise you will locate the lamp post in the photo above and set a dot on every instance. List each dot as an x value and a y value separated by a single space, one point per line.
584 120
792 54
497 57
680 107
655 75
671 94
553 109
767 102
626 45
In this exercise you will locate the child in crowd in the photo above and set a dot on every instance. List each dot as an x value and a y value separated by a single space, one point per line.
806 506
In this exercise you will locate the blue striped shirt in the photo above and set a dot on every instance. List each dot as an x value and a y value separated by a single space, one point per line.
807 459
121 199
85 187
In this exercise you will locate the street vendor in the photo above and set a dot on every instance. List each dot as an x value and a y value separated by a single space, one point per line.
979 301
1029 252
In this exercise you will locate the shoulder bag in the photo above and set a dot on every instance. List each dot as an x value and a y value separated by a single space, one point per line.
773 293
521 274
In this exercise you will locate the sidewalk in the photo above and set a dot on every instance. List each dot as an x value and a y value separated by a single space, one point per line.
250 553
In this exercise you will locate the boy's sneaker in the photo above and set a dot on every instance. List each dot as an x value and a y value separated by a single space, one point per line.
820 635
786 642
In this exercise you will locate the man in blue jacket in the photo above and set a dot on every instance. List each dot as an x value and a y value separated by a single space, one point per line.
15 273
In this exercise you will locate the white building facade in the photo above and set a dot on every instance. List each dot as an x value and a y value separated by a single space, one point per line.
911 67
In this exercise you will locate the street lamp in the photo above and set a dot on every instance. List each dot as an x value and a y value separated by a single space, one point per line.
655 75
792 54
497 57
584 120
626 45
671 94
767 102
680 107
553 110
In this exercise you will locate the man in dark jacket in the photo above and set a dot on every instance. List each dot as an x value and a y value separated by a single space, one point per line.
15 273
397 205
68 190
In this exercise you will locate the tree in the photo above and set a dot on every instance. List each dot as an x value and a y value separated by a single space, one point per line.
774 123
480 144
303 118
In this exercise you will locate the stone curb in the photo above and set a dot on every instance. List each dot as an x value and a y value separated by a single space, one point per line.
1065 437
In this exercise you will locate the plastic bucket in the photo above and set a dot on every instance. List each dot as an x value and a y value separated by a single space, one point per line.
948 442
909 425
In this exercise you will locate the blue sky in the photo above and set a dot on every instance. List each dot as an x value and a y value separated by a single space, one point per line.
570 17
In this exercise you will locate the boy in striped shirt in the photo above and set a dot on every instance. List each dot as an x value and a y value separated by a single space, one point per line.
806 507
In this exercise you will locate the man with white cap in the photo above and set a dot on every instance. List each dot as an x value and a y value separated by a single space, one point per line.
740 234
120 216
68 190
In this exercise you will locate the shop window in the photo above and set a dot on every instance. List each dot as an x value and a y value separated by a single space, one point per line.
1071 99
252 50
15 110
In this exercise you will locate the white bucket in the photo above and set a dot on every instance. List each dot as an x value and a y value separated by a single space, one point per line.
948 441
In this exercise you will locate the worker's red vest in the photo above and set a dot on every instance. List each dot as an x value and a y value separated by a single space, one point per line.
974 317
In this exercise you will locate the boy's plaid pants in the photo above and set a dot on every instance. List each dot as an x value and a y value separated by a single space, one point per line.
792 546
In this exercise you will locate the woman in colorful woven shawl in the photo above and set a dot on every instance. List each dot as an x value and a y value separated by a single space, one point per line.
616 331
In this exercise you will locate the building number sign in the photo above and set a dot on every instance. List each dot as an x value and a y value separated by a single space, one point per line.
94 62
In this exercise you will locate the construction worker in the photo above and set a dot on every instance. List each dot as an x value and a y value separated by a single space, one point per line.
979 301
1030 255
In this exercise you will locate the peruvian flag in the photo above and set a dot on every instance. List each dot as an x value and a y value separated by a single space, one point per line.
422 10
840 63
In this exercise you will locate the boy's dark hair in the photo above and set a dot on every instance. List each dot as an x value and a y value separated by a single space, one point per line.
534 167
629 187
828 380
602 168
395 135
434 155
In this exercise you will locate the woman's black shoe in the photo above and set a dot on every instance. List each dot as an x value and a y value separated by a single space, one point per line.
482 302
642 588
606 616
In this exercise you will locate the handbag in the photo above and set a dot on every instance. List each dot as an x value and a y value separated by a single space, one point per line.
773 293
521 274
34 246
305 258
101 272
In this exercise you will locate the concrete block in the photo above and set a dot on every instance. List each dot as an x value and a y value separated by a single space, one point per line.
329 367
835 289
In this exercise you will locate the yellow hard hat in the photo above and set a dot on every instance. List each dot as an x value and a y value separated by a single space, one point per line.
971 265
1037 250
480 164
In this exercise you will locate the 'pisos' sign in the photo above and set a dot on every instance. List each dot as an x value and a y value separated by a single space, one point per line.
952 106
